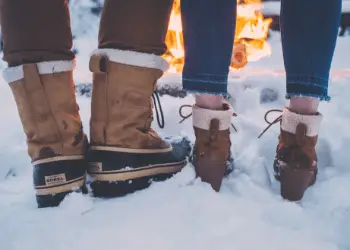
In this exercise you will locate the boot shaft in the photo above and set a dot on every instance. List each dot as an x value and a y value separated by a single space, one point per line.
298 139
211 154
212 133
121 109
45 98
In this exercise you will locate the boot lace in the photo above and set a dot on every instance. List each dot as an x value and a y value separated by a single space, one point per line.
185 117
278 119
159 109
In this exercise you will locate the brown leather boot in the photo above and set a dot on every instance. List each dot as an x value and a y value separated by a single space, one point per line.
44 93
211 154
295 165
126 153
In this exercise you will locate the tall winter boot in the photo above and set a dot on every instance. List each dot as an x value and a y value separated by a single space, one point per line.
45 98
295 165
211 154
126 153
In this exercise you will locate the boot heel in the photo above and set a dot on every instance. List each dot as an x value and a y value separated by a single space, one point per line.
295 182
54 178
54 200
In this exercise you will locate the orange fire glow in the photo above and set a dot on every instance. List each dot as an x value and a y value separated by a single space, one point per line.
250 39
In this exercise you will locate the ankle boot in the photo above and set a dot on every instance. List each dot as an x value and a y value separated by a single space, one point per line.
126 154
211 154
295 164
45 98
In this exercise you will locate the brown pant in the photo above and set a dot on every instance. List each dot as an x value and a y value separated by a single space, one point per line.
36 31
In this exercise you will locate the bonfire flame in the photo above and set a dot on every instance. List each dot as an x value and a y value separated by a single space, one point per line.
174 41
250 39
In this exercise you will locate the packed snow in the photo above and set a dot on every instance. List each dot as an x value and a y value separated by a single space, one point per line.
184 213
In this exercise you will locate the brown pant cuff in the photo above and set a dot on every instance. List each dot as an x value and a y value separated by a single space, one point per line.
135 25
35 31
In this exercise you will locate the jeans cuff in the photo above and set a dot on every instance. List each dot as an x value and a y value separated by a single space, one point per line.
205 86
307 86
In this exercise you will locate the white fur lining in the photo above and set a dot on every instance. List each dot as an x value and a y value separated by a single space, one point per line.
12 74
134 58
291 120
202 118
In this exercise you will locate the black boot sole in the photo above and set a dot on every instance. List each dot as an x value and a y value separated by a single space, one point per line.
116 173
56 177
105 189
54 200
115 183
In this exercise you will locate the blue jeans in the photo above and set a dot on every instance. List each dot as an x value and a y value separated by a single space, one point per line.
309 31
208 33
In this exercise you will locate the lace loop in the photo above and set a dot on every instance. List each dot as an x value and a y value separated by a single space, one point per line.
159 110
278 119
233 126
184 117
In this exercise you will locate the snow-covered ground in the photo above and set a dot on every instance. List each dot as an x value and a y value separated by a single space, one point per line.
248 214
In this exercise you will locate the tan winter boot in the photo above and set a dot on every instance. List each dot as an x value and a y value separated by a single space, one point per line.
44 93
295 165
126 153
211 154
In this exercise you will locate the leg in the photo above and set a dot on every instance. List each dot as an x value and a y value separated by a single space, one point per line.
31 35
135 25
37 48
126 152
309 32
208 29
308 45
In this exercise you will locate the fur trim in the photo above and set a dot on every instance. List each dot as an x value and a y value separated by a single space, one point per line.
291 120
12 74
202 118
134 58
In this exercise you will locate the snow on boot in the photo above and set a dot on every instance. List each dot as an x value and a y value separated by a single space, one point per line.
211 153
126 154
295 165
45 98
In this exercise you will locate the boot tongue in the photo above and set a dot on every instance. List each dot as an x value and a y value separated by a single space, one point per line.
300 134
214 129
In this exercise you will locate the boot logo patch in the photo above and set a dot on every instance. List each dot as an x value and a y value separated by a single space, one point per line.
95 167
55 179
